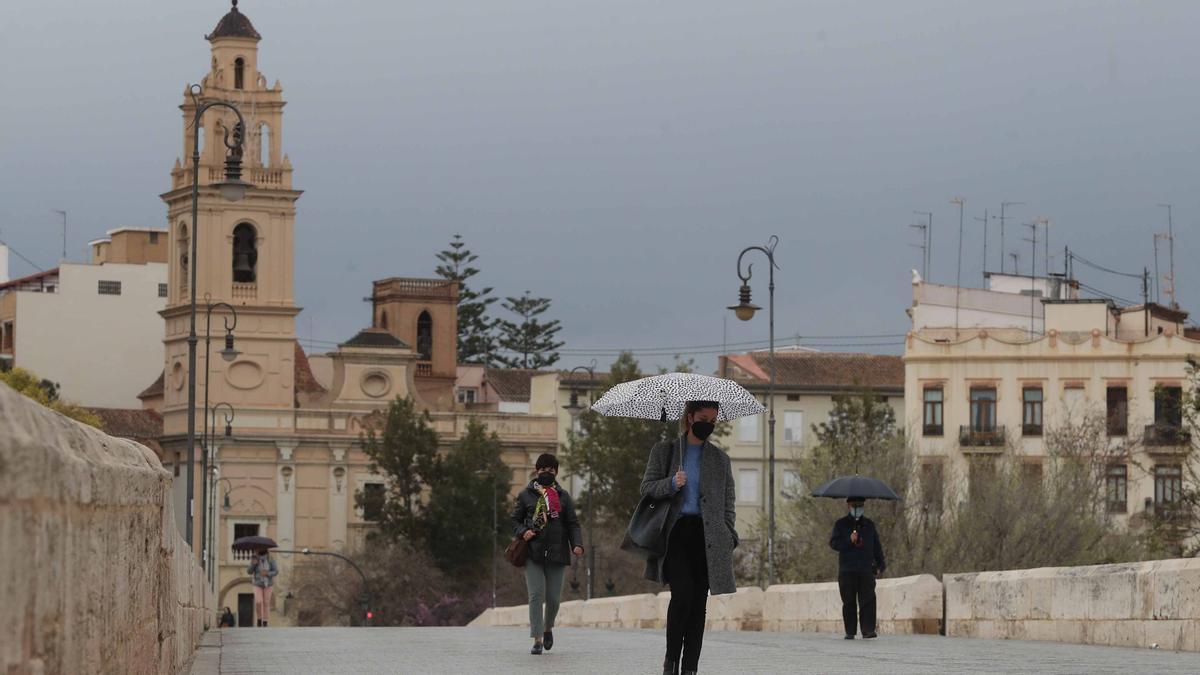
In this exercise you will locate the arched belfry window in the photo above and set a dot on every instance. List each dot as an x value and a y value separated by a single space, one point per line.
425 336
182 244
239 73
245 254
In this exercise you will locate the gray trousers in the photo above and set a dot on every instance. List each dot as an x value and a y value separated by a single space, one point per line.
545 584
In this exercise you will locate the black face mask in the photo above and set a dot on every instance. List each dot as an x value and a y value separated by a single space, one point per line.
703 430
545 479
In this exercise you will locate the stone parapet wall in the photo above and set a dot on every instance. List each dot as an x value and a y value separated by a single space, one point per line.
1127 605
907 605
94 576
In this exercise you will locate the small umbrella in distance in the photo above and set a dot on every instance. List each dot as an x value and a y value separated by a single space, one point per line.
845 487
253 543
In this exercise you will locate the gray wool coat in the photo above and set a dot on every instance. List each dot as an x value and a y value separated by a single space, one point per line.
716 507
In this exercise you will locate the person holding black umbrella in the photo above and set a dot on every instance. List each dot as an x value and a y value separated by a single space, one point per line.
860 562
262 571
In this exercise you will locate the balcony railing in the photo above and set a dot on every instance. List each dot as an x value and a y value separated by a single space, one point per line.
1031 430
1165 435
932 430
969 437
424 369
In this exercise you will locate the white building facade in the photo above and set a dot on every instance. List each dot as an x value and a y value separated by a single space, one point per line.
92 328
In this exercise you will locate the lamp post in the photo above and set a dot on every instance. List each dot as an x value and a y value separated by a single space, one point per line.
207 528
233 188
745 311
226 506
574 409
486 473
368 612
228 354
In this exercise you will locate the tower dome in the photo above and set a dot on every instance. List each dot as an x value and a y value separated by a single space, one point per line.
234 25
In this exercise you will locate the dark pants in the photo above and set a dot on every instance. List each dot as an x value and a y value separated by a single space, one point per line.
858 588
686 569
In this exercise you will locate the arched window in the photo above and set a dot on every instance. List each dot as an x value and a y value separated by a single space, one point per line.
239 73
383 320
264 144
182 245
425 336
245 254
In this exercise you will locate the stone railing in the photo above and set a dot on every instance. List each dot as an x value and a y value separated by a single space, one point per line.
96 577
905 605
1148 604
1130 605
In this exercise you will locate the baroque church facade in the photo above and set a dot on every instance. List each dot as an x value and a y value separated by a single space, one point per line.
291 463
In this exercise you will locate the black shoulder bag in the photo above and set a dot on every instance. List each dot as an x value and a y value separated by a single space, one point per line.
646 534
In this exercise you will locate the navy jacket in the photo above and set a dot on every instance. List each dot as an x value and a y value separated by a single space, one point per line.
865 559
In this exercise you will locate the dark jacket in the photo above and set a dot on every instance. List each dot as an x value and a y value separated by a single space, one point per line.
865 559
716 508
554 542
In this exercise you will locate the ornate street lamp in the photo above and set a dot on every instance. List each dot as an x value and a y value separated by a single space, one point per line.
233 188
745 311
208 529
228 354
574 409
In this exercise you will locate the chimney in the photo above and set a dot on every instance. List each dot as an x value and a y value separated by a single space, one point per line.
3 263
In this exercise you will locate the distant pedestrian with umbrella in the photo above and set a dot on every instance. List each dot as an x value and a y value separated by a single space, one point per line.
262 571
685 523
860 551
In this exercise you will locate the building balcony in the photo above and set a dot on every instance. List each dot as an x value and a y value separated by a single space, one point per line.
424 369
992 437
1165 435
931 430
1031 430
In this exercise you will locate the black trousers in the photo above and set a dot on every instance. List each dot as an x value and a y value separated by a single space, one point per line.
857 588
686 569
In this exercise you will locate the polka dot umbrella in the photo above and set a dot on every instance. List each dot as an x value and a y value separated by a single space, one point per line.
663 397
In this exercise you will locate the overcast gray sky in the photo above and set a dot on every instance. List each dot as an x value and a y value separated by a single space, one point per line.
616 156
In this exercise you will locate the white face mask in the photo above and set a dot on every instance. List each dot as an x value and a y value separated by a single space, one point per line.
857 511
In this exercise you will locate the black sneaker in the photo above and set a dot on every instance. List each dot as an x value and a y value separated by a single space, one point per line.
870 636
548 640
537 649
849 637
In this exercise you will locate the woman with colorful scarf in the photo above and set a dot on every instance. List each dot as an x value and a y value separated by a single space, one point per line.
545 517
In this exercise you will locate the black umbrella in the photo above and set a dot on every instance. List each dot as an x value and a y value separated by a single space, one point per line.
846 487
253 543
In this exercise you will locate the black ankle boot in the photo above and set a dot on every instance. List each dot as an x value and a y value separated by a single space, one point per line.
670 668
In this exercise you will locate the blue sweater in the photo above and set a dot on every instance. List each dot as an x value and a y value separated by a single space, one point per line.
691 489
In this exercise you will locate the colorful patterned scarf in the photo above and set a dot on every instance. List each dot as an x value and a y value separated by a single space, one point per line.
547 507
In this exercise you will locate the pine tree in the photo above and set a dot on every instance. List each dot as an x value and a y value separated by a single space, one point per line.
476 330
529 342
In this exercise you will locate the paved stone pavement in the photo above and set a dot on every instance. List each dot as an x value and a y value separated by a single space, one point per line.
581 650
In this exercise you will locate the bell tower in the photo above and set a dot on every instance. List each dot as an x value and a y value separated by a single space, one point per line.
244 248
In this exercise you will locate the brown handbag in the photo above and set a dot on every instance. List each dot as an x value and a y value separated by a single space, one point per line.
517 552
